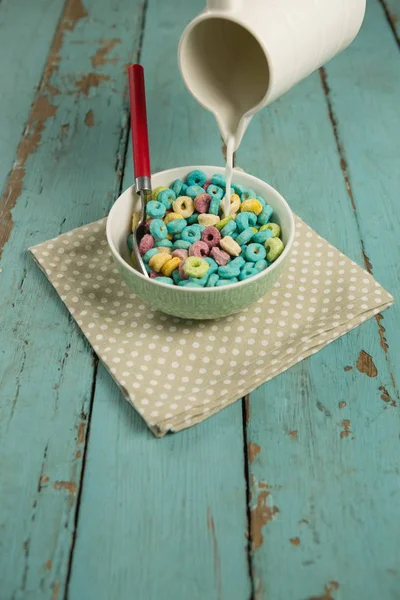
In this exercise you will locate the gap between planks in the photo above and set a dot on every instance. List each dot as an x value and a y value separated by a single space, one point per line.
391 19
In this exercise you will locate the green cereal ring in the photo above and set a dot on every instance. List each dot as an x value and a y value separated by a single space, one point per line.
262 236
212 280
260 265
274 247
164 242
265 215
273 227
146 257
157 190
167 197
221 224
176 225
222 282
245 236
247 271
181 244
255 252
229 228
195 266
165 280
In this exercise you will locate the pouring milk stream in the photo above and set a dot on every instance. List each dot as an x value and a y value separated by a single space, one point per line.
238 56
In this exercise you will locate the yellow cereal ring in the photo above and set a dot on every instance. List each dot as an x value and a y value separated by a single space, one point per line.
254 229
164 250
221 224
135 220
156 191
230 246
171 217
169 236
157 261
251 205
170 266
273 227
183 206
207 220
234 204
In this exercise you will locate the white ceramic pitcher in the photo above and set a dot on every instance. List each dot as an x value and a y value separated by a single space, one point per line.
237 56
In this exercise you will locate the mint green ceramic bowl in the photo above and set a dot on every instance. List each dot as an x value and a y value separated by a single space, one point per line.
196 303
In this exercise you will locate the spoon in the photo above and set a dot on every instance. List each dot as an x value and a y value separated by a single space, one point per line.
141 154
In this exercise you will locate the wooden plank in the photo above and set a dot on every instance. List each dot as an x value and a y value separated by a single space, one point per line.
392 11
323 438
172 517
33 25
66 173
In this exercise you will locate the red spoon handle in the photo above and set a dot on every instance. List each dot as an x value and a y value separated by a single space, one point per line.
140 137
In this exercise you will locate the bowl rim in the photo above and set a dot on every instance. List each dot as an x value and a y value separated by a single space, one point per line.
221 288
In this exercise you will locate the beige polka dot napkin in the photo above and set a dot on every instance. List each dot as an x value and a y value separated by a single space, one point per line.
178 372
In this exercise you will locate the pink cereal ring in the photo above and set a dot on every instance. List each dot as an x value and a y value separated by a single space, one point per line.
153 274
146 243
205 186
211 236
202 203
220 257
199 249
182 273
147 225
180 253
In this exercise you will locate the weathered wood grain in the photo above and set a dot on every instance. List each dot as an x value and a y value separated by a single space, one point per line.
66 174
172 517
392 11
324 480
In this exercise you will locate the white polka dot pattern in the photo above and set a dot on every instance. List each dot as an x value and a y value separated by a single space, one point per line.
178 372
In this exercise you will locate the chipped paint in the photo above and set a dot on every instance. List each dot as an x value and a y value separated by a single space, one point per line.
81 434
260 515
385 396
44 479
346 429
348 368
48 564
294 434
328 590
295 541
70 486
342 404
366 365
100 57
381 329
303 522
78 454
89 118
247 409
56 588
42 110
217 561
253 450
89 81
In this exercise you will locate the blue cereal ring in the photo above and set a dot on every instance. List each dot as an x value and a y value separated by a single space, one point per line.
196 177
255 252
222 282
245 236
164 243
146 257
245 220
130 242
265 215
167 197
215 192
218 180
262 236
247 271
168 280
148 269
239 189
193 218
213 266
261 201
158 228
155 209
194 190
212 280
191 234
176 277
201 281
181 245
238 262
176 225
229 228
260 265
214 205
177 186
228 272
247 194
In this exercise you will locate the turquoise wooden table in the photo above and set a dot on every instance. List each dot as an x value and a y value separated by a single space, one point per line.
293 493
